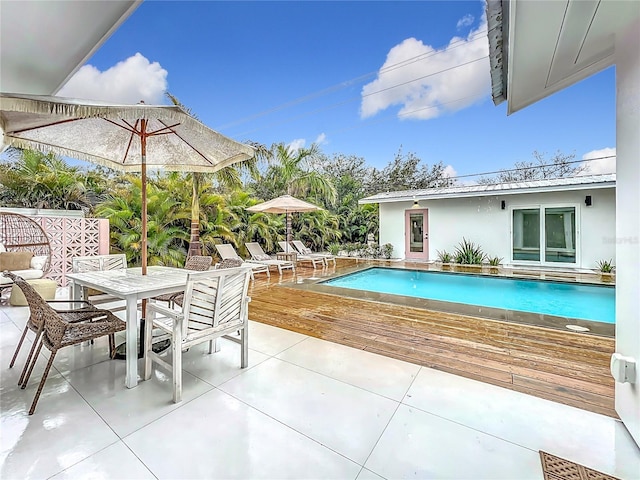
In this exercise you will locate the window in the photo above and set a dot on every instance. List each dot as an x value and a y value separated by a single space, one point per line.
544 234
526 234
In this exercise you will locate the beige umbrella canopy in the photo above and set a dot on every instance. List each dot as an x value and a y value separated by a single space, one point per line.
129 138
285 204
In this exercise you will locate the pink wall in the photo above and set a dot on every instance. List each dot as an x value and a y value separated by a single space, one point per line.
73 237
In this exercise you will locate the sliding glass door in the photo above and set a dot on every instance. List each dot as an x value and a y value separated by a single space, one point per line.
544 234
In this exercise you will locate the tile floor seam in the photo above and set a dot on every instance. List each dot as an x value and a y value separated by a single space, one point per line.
83 459
183 403
337 380
285 349
242 370
469 427
379 438
66 380
291 428
139 459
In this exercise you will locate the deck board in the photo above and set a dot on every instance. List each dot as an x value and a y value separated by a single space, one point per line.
566 367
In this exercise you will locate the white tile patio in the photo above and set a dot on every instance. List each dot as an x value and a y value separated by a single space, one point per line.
304 408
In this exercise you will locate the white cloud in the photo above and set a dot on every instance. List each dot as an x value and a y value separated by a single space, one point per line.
450 172
296 144
321 139
465 21
127 82
427 82
602 165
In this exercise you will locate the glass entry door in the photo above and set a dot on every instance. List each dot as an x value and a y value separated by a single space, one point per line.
416 234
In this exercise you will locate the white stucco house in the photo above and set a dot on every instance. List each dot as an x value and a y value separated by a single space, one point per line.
564 222
537 48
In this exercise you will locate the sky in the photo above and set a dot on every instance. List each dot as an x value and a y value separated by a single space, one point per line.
368 79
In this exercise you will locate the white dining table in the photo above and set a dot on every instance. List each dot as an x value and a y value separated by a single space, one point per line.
130 285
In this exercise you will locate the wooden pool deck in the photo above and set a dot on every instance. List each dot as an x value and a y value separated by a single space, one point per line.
563 366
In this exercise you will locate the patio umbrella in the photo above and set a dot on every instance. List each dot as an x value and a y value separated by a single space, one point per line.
129 138
285 204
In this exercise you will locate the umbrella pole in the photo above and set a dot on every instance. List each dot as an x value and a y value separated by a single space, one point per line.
143 143
143 176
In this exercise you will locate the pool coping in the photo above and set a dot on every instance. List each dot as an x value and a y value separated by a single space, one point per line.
515 316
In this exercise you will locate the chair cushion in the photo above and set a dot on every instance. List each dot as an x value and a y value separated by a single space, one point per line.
26 274
38 262
263 257
15 260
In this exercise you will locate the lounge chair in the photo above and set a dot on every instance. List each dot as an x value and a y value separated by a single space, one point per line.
259 256
301 257
300 247
227 252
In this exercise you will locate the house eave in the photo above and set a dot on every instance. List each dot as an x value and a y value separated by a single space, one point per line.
497 34
490 191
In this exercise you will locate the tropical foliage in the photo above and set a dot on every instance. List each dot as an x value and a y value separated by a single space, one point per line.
183 208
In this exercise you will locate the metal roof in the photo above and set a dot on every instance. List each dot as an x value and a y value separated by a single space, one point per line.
586 182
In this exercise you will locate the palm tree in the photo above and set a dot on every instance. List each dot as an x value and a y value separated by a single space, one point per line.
293 174
38 180
247 226
228 177
165 235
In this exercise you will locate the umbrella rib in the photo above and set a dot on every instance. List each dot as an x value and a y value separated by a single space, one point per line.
59 122
134 131
127 126
165 130
187 143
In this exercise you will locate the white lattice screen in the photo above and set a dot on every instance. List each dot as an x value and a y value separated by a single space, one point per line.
73 237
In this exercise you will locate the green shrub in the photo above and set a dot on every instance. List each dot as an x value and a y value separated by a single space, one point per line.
606 266
334 248
494 261
444 256
386 250
468 253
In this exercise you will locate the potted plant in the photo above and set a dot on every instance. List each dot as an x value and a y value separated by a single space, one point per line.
470 256
494 263
606 269
445 258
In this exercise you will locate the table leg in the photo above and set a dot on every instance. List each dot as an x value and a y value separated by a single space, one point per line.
131 379
76 291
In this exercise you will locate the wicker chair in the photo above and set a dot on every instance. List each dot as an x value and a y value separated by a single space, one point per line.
215 305
197 263
19 233
60 329
35 321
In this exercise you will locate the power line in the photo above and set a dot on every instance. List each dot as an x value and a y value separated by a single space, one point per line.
352 99
347 83
532 167
367 123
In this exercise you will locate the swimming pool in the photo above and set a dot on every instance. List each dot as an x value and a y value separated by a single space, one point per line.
569 300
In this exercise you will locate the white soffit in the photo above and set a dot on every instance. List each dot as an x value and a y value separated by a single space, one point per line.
554 44
43 43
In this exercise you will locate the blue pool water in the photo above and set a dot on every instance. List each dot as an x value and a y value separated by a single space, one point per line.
587 302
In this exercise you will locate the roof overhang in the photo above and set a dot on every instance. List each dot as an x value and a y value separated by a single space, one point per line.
43 43
592 182
539 47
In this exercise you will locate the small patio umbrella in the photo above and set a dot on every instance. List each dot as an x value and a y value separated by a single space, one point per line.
129 138
285 204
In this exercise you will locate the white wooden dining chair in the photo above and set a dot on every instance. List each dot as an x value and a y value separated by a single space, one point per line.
215 305
99 263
